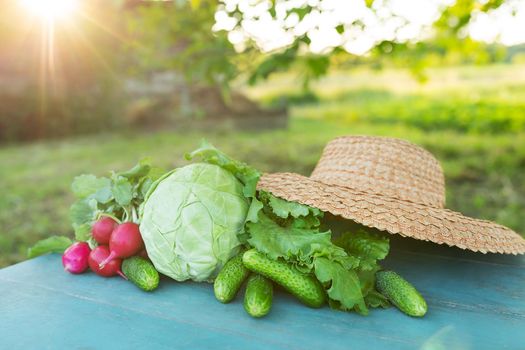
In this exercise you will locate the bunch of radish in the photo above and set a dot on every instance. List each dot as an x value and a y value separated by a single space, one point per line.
116 242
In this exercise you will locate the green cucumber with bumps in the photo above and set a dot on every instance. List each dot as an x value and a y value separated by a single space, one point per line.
258 296
230 279
141 272
305 287
401 293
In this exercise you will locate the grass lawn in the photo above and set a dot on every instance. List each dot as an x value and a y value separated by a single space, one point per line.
473 125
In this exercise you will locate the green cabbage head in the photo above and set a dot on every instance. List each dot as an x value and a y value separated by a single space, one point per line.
190 221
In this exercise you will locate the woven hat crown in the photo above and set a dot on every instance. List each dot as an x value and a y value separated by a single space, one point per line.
383 166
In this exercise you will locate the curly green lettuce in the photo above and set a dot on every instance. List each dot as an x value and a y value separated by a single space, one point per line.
346 267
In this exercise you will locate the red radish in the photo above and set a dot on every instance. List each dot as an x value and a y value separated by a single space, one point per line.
125 241
143 254
75 258
103 228
112 268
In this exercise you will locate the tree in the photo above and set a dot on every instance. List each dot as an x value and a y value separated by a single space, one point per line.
211 41
341 24
178 36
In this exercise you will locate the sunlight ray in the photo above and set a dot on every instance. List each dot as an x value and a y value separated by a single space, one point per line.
93 50
105 28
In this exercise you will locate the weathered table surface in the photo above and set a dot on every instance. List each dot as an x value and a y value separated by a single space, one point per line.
475 302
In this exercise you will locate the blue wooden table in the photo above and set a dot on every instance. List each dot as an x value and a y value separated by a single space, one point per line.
475 302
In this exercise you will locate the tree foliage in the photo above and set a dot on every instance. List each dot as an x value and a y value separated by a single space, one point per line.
76 87
178 36
446 39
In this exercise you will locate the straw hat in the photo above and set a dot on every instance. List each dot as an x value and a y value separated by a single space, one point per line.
392 185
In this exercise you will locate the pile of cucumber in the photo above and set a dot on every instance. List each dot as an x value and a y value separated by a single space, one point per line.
261 271
259 290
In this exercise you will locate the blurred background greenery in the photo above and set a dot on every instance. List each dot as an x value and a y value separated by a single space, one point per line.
94 86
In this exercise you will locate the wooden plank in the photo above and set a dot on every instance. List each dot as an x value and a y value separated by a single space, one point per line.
488 283
473 304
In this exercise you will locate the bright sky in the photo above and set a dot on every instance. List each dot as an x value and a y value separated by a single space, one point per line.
401 20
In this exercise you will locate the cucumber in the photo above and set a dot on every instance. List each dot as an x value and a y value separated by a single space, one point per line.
141 272
258 296
305 287
401 293
230 279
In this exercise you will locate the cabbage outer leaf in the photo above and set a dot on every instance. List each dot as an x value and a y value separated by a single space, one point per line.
191 219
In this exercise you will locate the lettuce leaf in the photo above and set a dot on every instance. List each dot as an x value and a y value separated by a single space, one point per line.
346 266
312 252
375 299
286 242
291 214
297 245
344 288
284 209
368 247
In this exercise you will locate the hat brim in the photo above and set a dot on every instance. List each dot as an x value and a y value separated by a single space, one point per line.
442 226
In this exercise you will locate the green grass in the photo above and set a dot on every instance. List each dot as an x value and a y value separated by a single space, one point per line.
484 162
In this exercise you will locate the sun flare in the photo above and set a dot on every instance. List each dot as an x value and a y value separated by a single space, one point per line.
50 10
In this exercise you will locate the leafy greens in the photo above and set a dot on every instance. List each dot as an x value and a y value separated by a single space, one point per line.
53 244
119 195
193 219
291 231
